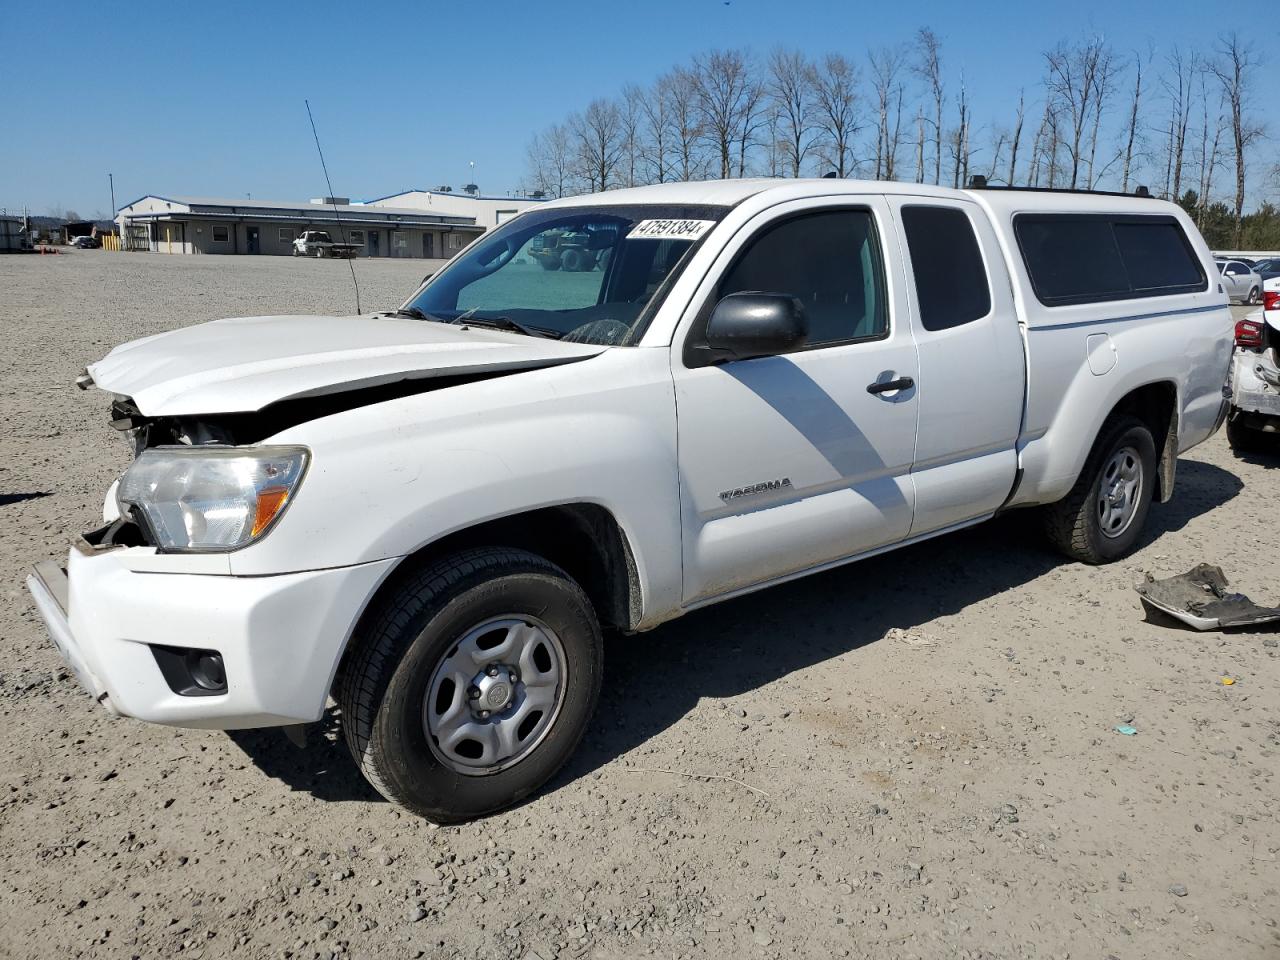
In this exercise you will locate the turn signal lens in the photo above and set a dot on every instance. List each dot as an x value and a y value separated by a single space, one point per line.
270 502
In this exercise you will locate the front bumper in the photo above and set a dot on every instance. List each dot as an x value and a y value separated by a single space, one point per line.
280 637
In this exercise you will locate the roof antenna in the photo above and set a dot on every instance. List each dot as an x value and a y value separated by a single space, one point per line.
342 231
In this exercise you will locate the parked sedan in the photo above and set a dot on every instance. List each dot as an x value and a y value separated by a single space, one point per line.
1240 281
1266 269
85 242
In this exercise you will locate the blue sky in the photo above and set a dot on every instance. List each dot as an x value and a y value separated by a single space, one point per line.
207 99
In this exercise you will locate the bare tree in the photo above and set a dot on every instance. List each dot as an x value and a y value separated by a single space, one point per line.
1177 85
1233 67
1103 84
920 144
1015 139
551 161
655 130
929 68
887 65
724 86
1209 149
686 124
1131 128
958 142
1074 83
790 88
752 119
836 100
630 120
597 134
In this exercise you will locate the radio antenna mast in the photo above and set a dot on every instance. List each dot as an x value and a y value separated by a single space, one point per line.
342 231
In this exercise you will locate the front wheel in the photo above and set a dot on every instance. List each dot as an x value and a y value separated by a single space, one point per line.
1101 519
472 683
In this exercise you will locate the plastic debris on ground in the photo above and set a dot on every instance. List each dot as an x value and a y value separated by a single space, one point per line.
1200 599
1127 730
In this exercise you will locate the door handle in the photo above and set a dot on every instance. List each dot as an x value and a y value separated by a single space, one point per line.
884 386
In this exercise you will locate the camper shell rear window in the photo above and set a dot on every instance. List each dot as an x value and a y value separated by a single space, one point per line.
1090 258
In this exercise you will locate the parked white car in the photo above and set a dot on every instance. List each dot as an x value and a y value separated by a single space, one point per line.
430 514
1240 281
1254 419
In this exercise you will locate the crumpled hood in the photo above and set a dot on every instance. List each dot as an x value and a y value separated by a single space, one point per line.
245 364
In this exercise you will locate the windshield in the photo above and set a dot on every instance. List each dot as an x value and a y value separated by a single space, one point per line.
587 274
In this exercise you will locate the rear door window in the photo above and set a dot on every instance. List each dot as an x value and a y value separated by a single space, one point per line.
951 279
1087 258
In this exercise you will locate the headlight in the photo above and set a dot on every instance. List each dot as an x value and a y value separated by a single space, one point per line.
211 498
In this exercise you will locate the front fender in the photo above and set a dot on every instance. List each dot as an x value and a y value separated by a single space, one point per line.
388 479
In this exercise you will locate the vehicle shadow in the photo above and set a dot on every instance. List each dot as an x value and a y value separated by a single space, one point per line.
6 499
1198 488
653 680
323 768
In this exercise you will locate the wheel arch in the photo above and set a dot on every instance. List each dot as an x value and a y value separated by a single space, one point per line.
1156 405
584 539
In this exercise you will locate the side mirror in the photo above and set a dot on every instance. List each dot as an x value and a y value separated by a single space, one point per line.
746 325
426 278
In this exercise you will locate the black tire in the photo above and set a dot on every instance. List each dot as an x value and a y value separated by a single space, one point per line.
571 260
1244 439
382 687
1253 296
1073 524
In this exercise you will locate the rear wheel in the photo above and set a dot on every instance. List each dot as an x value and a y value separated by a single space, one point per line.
1102 517
1253 296
1243 438
472 684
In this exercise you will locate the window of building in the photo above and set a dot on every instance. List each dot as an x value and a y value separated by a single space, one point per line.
951 280
455 241
221 234
830 262
1088 258
357 237
286 234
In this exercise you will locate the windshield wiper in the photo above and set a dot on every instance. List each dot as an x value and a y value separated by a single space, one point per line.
416 314
506 323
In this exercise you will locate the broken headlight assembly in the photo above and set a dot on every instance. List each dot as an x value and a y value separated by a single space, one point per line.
210 498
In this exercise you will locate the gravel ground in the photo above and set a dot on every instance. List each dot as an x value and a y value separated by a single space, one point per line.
912 756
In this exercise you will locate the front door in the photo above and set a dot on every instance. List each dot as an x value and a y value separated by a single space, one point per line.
373 243
791 462
972 366
429 245
251 239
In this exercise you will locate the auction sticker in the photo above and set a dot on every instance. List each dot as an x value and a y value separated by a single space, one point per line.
670 229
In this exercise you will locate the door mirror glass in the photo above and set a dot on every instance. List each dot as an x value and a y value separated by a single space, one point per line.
746 325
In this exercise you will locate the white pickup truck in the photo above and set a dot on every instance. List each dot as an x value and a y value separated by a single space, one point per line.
319 244
430 514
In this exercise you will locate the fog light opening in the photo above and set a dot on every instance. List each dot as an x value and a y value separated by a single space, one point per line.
191 671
